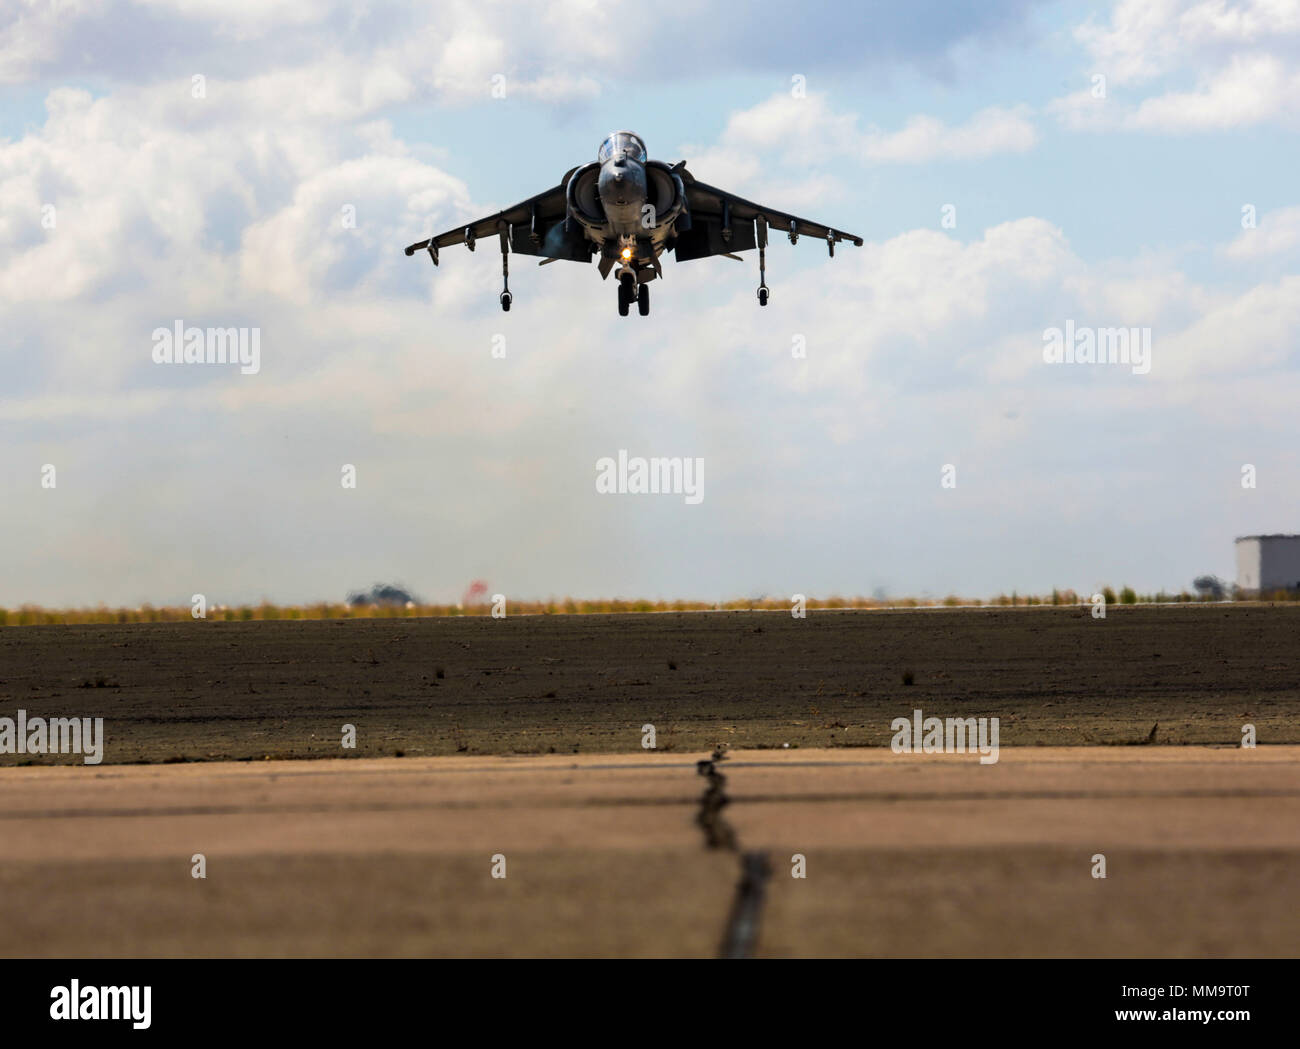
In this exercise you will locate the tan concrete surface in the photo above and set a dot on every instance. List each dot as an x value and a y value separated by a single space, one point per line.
905 855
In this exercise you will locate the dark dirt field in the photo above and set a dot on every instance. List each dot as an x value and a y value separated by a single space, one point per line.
568 684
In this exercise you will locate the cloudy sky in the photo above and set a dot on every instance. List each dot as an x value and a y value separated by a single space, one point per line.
1013 167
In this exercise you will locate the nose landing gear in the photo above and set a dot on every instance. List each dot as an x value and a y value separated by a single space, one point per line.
629 292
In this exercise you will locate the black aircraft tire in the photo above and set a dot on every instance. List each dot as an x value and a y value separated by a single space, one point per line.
643 301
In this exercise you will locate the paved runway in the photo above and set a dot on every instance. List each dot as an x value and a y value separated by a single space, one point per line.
905 855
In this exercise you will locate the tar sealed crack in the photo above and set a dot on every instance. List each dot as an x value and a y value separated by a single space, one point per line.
747 910
718 833
741 934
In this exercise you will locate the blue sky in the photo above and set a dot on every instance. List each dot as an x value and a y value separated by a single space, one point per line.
127 203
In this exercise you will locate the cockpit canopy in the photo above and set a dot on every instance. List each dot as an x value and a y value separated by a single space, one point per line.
622 142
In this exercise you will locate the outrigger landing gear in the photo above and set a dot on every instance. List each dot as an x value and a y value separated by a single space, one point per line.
762 261
506 297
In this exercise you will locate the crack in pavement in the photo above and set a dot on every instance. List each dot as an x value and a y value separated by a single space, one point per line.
718 832
741 934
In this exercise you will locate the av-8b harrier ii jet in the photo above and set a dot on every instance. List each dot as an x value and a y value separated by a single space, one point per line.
627 211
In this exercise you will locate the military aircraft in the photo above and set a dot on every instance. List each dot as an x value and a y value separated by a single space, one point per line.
628 210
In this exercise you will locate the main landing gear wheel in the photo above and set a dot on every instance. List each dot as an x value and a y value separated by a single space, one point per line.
762 296
506 299
643 300
626 293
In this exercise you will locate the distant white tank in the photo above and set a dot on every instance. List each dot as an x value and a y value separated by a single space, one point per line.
1268 562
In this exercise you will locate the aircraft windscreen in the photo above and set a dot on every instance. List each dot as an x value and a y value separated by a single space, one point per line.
620 142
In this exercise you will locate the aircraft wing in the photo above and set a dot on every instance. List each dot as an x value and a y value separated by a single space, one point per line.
722 222
535 227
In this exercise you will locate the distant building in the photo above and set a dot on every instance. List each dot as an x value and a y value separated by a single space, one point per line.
1268 562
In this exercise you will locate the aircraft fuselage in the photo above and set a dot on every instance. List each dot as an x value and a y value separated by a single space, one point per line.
622 188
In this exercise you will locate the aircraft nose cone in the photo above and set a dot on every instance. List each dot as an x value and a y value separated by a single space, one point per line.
621 183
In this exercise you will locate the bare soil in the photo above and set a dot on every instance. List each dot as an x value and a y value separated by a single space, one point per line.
574 684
